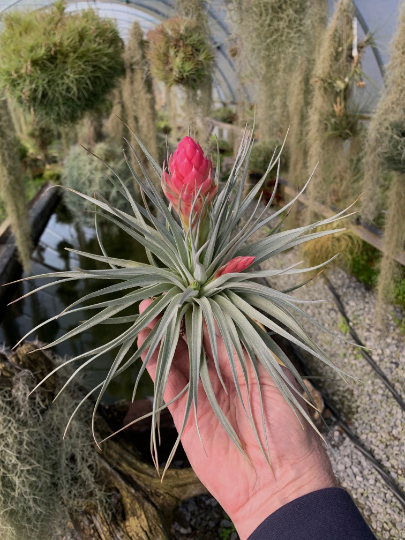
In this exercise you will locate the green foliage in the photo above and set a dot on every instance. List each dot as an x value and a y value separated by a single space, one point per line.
226 532
399 290
262 154
162 123
60 65
223 114
400 322
343 326
221 145
364 264
85 173
180 53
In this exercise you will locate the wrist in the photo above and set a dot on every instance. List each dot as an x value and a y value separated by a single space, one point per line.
279 492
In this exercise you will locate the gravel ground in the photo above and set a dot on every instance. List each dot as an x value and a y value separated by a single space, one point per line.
373 414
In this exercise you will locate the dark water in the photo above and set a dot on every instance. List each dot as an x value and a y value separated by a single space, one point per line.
50 256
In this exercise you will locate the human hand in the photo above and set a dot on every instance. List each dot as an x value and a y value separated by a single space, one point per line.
248 492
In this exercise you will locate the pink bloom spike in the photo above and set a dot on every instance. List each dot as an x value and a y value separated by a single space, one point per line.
189 171
238 264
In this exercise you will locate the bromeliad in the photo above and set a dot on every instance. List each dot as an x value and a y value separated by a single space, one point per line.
200 272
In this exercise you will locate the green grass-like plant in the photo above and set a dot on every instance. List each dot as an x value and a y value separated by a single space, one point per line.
180 53
59 65
185 279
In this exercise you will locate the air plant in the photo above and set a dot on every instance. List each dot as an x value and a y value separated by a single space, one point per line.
59 65
201 271
179 53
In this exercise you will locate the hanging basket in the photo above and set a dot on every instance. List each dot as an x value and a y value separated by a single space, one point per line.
180 53
57 64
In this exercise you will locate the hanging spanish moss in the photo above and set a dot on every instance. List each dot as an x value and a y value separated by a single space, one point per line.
171 105
12 189
385 164
90 130
271 32
334 119
114 127
385 125
300 92
44 480
394 241
138 95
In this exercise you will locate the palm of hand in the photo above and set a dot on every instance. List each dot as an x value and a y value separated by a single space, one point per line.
247 491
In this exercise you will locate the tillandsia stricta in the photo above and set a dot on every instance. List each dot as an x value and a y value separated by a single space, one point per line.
200 272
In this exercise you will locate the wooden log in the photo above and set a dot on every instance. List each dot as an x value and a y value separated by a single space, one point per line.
143 504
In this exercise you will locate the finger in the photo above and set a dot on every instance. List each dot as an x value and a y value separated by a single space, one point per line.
142 306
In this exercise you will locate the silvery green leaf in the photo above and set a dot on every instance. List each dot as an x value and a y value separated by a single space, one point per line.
207 385
209 320
200 273
222 325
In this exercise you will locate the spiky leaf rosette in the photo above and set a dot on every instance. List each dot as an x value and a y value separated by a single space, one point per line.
199 272
179 53
58 64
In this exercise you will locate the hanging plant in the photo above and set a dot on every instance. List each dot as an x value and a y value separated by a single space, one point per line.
138 95
384 165
12 189
334 126
57 64
180 53
271 32
199 271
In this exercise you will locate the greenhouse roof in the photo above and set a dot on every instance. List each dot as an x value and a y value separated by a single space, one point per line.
379 16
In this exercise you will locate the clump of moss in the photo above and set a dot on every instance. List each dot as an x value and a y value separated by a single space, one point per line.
180 53
60 65
44 480
345 243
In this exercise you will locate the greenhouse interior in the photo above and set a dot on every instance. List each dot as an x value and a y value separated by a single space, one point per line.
168 170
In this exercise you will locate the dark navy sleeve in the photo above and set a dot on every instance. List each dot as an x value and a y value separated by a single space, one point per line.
327 514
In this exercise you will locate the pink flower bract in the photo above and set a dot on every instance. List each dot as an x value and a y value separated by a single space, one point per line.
190 173
238 264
